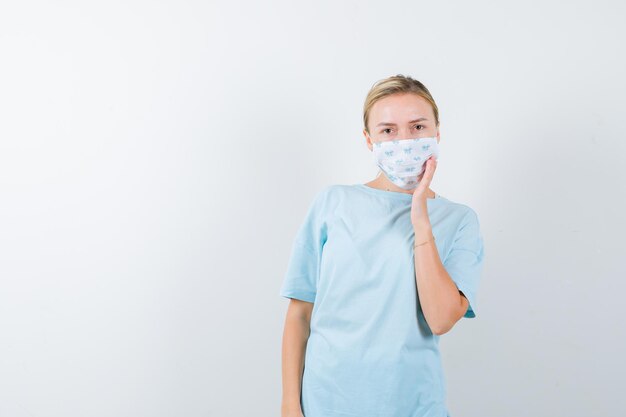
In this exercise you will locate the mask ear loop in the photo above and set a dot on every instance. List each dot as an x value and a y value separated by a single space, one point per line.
380 171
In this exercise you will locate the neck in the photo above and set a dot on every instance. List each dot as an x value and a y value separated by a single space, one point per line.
381 182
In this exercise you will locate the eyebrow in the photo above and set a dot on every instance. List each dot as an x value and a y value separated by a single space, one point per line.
393 124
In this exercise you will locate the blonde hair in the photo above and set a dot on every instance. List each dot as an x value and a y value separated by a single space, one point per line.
396 84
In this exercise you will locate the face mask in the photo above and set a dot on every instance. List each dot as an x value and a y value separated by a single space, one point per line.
402 161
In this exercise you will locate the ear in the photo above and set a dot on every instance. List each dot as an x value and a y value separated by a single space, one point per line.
368 140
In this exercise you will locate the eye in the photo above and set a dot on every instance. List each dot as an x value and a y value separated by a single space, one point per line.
421 126
385 130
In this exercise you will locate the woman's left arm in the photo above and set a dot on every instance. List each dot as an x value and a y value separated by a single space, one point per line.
442 302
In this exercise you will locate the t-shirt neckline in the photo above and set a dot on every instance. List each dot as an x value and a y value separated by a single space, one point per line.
393 194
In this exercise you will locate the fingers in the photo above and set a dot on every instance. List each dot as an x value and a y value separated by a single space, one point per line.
431 165
425 177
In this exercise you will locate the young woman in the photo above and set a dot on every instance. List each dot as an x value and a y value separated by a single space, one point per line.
377 273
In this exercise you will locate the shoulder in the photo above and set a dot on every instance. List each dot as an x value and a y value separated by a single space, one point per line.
322 198
461 213
332 193
330 197
467 228
332 189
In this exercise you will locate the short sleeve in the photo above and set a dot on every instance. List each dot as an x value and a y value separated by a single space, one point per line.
465 260
300 280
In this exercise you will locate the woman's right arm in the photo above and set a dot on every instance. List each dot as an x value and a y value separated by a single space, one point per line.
295 337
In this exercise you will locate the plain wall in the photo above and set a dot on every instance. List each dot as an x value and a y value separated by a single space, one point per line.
151 189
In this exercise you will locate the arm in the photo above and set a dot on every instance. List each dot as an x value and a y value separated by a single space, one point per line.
442 302
295 337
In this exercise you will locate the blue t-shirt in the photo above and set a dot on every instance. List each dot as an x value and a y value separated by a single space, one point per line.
370 352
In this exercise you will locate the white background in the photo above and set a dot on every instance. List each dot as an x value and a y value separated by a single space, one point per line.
152 179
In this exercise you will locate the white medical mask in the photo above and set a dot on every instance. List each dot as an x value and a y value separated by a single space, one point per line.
402 161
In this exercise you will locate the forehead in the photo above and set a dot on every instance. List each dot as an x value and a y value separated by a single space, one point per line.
401 107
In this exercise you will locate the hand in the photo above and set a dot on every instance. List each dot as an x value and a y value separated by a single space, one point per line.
419 210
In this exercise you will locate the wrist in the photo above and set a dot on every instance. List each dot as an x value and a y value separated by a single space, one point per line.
422 231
